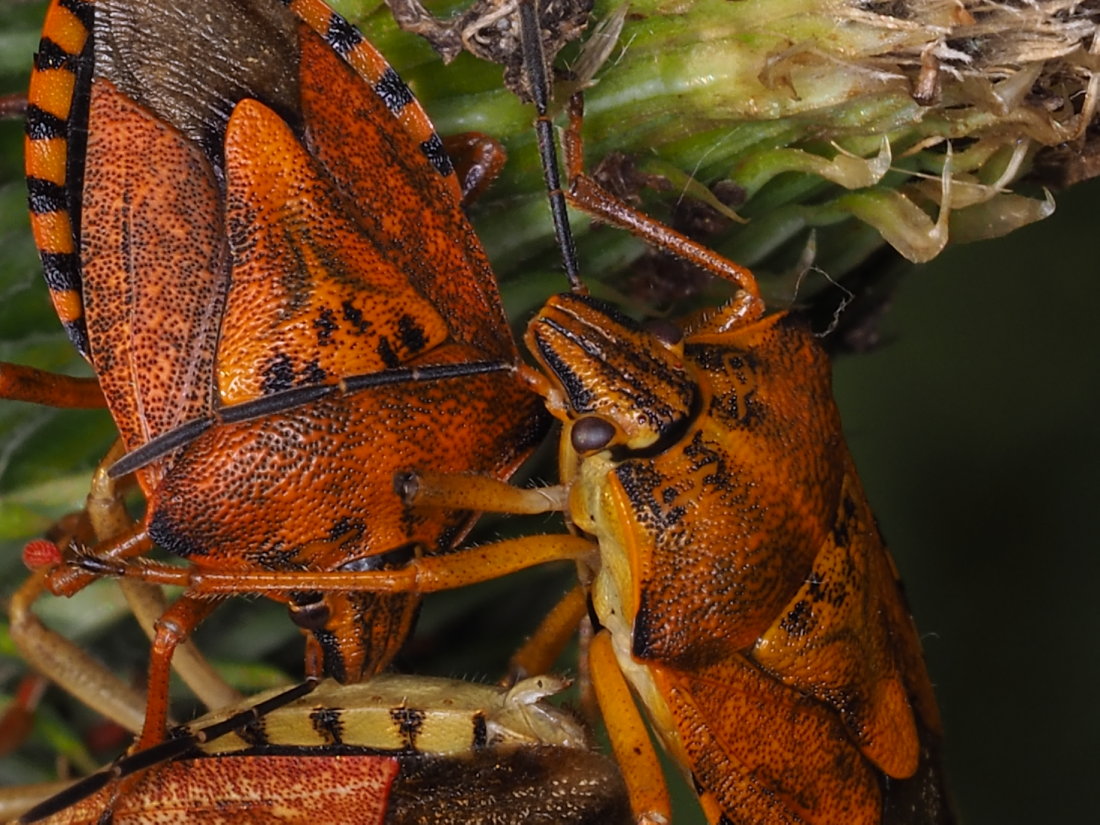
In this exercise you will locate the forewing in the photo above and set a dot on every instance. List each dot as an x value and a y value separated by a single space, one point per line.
410 209
767 753
313 298
841 639
154 263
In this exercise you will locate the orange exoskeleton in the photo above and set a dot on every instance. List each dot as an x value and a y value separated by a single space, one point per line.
742 587
743 591
250 229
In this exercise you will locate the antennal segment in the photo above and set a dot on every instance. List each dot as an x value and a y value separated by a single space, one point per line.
534 60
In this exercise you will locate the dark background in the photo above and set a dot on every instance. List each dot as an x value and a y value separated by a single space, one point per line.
975 430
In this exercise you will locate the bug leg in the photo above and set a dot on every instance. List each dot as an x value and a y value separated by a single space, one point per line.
19 383
427 574
72 578
455 491
67 665
109 518
18 716
538 653
444 36
148 604
172 628
110 522
589 196
629 738
115 533
477 159
59 659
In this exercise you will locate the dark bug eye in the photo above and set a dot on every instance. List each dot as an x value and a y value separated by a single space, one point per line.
590 434
309 611
664 331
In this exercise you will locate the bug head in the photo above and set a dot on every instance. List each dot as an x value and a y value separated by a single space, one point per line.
613 382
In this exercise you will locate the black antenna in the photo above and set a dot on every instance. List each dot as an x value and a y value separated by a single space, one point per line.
535 62
284 400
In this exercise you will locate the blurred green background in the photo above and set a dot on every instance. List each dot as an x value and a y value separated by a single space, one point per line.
972 427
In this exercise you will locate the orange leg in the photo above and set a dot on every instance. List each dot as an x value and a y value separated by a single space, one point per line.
454 491
109 518
72 578
172 628
106 518
148 605
539 652
114 532
428 574
18 383
588 196
629 737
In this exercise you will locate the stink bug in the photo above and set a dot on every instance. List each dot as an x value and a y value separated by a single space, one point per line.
743 589
745 595
250 229
395 749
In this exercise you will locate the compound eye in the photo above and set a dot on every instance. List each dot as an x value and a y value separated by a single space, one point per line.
664 331
590 434
309 611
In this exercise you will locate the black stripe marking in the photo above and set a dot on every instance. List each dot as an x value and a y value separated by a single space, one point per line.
579 396
386 353
394 92
78 336
45 197
281 402
255 733
409 721
481 731
61 271
342 36
331 656
412 335
42 125
51 56
329 724
81 9
437 156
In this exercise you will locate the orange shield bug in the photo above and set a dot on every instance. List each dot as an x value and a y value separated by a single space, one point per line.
745 595
250 229
394 749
